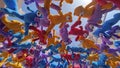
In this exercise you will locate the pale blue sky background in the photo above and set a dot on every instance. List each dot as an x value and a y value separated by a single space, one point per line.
69 8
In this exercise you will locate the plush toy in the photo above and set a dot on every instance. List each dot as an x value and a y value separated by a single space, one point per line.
78 31
58 19
95 19
89 44
28 18
10 24
52 38
107 25
64 34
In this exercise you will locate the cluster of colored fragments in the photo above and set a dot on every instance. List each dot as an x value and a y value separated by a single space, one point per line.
35 43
